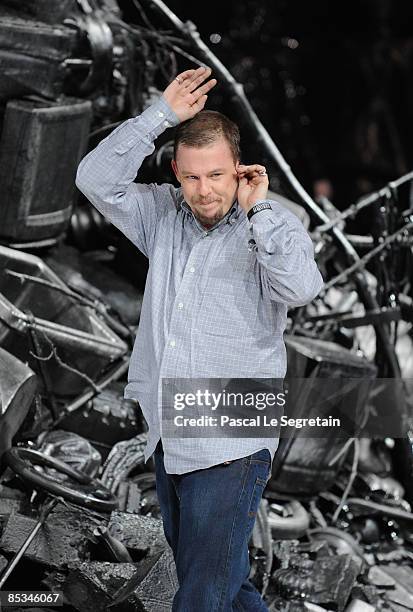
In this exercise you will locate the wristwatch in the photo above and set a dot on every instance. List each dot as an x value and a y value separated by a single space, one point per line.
257 208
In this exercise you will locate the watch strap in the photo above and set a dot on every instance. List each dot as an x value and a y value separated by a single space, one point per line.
258 208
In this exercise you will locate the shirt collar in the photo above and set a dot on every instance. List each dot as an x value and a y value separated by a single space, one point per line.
230 216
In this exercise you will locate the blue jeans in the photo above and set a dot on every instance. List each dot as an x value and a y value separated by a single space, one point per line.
208 517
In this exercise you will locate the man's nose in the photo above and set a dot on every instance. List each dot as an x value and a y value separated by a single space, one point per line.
204 188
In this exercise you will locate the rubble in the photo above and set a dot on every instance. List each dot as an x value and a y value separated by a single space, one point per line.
90 586
53 546
157 589
150 585
137 533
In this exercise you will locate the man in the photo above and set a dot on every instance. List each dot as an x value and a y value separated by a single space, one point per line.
225 263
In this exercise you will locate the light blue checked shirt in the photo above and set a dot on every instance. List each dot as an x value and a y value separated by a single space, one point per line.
215 303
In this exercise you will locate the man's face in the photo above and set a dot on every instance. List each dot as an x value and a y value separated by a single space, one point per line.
208 179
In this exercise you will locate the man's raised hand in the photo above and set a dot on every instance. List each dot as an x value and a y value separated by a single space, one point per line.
187 94
252 185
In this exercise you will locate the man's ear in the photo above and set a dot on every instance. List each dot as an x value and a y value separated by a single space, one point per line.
175 169
237 163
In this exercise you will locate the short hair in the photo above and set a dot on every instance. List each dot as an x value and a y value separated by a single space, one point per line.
205 128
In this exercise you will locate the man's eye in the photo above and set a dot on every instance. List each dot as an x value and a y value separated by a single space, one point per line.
217 174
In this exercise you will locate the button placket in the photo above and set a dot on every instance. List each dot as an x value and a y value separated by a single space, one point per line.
176 318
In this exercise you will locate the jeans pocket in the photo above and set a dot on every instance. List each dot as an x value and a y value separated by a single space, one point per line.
261 456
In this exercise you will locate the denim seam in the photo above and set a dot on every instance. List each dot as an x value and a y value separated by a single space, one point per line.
261 481
259 484
239 605
231 540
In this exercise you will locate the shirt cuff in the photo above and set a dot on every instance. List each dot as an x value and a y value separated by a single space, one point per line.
148 125
157 118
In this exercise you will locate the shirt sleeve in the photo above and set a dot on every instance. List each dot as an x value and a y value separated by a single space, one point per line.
285 252
106 175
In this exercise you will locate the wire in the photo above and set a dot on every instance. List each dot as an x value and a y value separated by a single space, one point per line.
366 258
353 474
143 15
353 209
53 353
394 512
187 55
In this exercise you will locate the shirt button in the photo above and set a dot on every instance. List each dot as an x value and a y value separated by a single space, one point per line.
192 269
167 124
172 343
161 114
180 305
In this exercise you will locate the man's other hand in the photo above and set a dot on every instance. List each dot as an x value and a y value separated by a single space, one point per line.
252 185
186 95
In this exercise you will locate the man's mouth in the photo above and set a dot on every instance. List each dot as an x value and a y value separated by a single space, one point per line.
207 203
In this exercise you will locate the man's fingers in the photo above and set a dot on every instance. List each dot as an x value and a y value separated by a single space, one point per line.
200 103
199 72
253 174
252 168
253 171
197 78
204 89
200 92
183 76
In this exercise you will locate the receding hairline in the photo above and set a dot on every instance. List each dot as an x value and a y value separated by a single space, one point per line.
218 139
206 128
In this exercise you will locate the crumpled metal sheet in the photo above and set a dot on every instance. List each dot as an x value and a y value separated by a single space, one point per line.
61 328
85 273
17 388
72 449
106 419
301 465
23 73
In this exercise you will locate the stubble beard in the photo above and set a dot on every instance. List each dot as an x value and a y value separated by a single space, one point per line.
210 220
